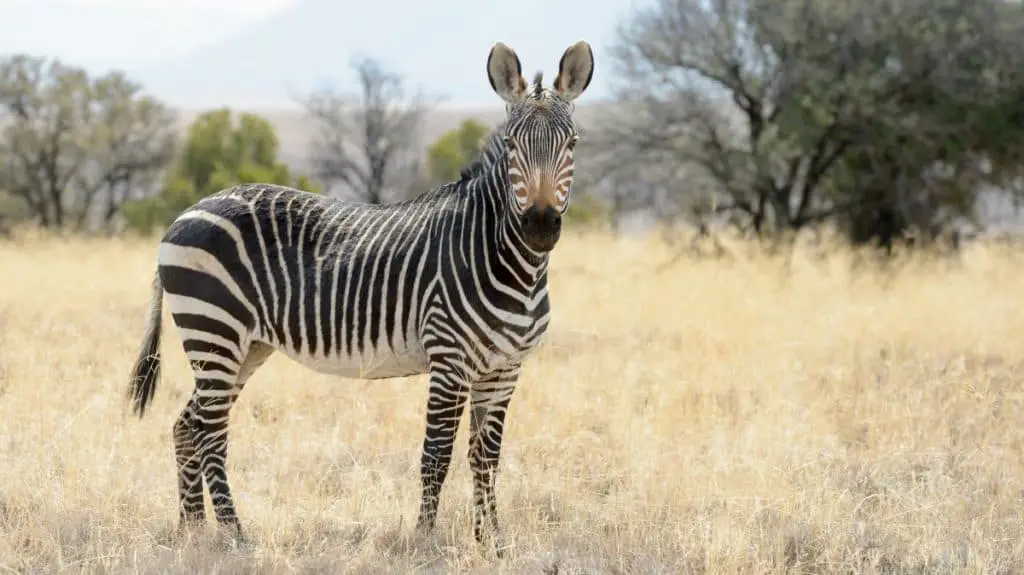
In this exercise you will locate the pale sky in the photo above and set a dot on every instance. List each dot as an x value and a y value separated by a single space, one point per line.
184 49
123 33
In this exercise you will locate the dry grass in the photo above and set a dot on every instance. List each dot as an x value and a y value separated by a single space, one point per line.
743 416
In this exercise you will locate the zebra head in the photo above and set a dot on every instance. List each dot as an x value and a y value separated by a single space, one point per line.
539 136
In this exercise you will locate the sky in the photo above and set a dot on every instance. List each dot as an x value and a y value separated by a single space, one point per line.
261 52
123 33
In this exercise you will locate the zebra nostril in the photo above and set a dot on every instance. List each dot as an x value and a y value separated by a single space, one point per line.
552 219
548 220
531 218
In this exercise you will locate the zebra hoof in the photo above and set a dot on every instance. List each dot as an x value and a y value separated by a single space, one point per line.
424 526
240 540
494 541
499 547
187 529
243 543
232 536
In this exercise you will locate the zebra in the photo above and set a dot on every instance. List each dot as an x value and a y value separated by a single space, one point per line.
491 149
452 284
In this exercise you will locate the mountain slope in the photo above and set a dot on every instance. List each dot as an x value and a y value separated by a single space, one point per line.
441 47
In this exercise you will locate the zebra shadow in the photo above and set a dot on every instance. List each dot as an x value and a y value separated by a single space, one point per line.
397 544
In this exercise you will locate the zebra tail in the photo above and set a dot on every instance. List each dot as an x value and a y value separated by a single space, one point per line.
146 371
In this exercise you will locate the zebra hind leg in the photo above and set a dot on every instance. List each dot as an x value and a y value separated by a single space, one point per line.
217 387
490 401
190 481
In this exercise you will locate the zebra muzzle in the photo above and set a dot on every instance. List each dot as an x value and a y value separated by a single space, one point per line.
542 227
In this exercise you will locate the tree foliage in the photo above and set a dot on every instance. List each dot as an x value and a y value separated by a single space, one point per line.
454 150
219 152
365 145
72 147
587 211
788 113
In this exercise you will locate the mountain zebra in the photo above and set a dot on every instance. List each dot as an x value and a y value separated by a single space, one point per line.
452 283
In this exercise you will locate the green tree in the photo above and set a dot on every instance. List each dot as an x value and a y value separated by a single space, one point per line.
452 151
587 211
72 147
218 153
797 113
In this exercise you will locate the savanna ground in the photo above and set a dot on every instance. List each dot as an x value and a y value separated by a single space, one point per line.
752 415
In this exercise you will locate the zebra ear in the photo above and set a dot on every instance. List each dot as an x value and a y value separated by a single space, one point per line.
575 70
505 73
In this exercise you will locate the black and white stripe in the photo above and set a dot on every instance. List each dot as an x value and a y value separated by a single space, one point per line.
446 284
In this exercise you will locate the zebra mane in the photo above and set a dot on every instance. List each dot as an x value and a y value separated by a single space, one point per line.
538 84
490 150
473 169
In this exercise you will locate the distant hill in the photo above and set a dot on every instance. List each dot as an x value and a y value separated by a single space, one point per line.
439 46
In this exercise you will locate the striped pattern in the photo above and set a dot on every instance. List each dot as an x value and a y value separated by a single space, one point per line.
446 284
540 146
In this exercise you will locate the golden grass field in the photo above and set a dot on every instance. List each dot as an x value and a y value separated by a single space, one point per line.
753 415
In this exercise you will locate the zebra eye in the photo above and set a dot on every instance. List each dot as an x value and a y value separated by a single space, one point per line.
508 141
572 141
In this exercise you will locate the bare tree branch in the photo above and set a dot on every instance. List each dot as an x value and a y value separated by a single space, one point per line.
367 142
777 102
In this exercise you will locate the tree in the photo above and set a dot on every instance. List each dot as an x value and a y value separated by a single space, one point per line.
367 142
13 212
454 150
72 148
588 211
218 153
795 112
953 134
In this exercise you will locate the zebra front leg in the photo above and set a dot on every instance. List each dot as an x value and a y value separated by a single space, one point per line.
192 510
445 402
490 399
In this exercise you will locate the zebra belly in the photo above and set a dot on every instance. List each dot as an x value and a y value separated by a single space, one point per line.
382 363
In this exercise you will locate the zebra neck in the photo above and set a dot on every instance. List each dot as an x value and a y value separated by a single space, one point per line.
510 242
505 249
